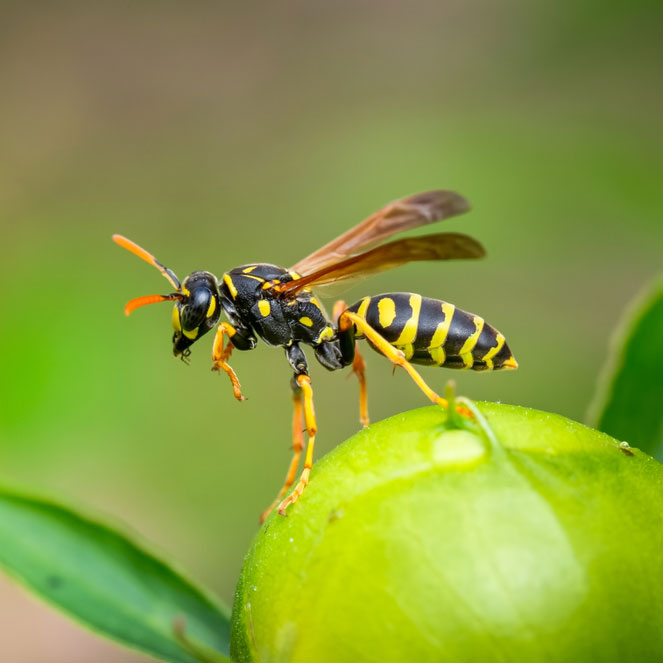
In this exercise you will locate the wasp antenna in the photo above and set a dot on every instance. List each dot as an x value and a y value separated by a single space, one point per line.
148 257
148 299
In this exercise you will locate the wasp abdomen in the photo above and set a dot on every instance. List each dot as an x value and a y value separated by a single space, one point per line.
435 333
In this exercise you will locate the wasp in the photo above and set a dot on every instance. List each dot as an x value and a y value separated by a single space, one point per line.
280 306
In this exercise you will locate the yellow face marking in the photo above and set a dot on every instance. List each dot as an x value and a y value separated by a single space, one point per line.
212 307
248 270
177 325
438 355
230 285
264 307
306 321
409 332
440 335
386 311
327 333
471 341
193 334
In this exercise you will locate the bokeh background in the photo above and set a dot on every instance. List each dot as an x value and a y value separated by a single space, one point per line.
216 134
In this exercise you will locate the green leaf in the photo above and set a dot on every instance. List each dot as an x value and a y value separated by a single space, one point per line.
108 582
629 401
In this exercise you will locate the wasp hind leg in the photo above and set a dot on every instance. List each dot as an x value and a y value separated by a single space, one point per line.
351 355
349 320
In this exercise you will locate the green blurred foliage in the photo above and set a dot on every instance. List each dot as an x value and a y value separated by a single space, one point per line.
628 402
216 134
107 581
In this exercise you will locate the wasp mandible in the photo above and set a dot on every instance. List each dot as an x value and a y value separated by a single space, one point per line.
278 305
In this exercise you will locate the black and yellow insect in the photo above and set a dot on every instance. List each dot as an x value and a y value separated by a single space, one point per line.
278 305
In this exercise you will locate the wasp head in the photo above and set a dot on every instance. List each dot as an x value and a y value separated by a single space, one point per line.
197 300
196 312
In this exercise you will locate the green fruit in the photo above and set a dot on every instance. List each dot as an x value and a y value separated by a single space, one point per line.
416 541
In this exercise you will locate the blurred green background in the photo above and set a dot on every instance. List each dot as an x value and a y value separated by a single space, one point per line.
216 134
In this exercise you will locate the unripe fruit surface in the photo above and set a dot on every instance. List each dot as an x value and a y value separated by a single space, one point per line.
415 542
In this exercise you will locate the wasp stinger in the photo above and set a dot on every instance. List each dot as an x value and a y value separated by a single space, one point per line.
278 305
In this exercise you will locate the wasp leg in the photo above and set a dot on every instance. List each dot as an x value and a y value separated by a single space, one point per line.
297 446
395 356
351 353
220 355
304 383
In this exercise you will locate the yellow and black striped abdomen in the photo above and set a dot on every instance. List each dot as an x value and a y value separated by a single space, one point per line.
435 333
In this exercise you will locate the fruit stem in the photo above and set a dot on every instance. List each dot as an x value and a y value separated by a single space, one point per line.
494 445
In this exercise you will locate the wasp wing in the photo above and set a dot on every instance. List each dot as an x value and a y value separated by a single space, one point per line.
411 212
442 246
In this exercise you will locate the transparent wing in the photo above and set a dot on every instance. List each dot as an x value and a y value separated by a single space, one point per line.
442 246
411 212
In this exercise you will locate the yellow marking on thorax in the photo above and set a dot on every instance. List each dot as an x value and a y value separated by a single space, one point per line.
192 334
386 311
264 307
255 278
442 329
326 334
488 357
211 308
470 343
248 270
230 285
295 276
305 320
409 332
317 304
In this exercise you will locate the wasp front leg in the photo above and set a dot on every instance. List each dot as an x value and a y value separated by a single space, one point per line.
351 355
221 354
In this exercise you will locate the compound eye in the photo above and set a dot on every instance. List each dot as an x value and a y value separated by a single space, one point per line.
195 310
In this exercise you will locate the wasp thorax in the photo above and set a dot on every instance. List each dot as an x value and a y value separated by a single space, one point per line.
197 312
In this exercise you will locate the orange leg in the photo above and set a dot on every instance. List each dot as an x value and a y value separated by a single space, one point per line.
297 446
358 368
394 355
220 355
304 382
